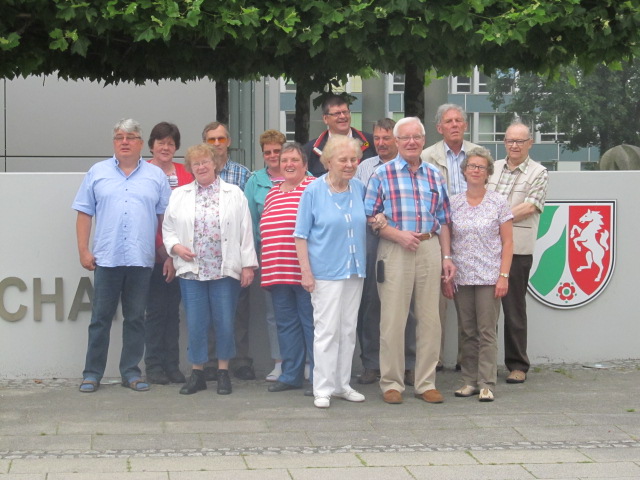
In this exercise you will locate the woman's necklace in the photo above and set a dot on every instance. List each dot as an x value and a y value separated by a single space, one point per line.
334 188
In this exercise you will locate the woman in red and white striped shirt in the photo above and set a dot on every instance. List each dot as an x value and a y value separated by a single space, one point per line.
281 270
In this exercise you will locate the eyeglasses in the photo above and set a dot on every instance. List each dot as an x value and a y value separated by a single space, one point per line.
345 113
214 140
128 138
472 167
268 153
516 142
203 163
415 138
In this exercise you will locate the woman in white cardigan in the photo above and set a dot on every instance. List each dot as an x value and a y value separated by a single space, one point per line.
207 231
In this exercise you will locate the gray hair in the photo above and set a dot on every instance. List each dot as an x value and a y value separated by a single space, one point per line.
518 123
128 125
442 109
405 121
385 124
294 147
478 152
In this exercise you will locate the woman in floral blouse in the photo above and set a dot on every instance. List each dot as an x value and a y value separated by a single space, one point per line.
207 232
482 246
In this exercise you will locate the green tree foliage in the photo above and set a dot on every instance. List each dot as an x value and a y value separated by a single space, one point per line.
598 108
311 42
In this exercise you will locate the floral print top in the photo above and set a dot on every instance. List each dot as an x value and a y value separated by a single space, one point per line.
207 235
476 244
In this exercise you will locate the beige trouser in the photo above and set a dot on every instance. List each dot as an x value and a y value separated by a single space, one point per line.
478 311
409 276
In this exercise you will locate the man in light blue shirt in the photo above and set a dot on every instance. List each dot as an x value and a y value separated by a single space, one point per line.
128 197
447 156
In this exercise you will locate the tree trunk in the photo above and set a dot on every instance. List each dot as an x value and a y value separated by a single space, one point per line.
413 92
303 110
222 101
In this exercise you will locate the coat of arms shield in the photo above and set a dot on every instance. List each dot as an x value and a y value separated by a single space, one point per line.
574 255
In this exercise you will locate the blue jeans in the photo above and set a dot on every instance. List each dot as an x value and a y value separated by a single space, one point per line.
294 320
112 284
207 303
162 324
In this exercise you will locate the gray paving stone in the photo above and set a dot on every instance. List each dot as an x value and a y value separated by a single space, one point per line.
145 442
69 465
4 466
408 422
586 470
529 456
572 433
27 427
279 474
110 428
303 460
530 419
417 458
469 436
612 454
218 426
626 418
371 473
332 424
109 476
255 440
187 463
471 472
45 442
24 476
340 438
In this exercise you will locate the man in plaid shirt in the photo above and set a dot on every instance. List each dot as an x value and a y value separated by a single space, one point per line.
524 183
414 251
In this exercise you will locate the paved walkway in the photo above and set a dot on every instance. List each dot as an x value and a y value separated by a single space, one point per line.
566 422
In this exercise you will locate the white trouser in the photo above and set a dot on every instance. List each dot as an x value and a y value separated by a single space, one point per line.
335 316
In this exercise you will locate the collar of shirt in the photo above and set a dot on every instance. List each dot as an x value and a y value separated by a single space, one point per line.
404 164
522 167
117 164
350 135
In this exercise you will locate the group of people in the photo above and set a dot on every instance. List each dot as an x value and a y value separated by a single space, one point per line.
345 243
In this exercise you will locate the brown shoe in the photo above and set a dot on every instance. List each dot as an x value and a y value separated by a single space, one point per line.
392 396
409 377
368 375
516 376
431 396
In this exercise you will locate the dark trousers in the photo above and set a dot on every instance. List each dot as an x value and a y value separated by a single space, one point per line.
162 324
112 285
515 314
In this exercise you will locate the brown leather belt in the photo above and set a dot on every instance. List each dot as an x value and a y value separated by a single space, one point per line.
426 236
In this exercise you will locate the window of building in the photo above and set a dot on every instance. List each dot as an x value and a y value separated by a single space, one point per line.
481 84
397 82
551 134
287 85
492 127
460 84
290 126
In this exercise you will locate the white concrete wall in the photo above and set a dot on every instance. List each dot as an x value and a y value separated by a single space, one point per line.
38 241
54 125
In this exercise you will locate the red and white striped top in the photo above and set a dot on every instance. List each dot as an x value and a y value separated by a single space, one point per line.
279 259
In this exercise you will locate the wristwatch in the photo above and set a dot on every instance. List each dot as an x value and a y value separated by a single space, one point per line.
447 257
505 275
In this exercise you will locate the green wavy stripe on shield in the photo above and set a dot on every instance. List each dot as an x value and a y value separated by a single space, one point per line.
552 261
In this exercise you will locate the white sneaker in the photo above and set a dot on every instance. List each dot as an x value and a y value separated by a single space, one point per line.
350 396
307 371
275 373
322 402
